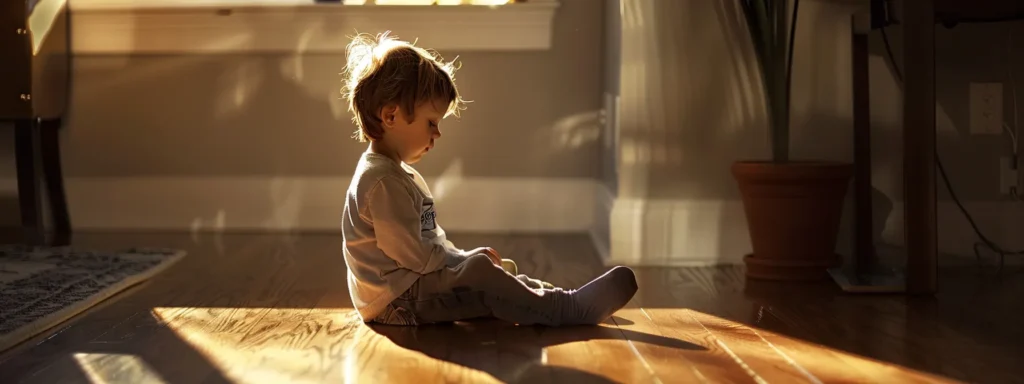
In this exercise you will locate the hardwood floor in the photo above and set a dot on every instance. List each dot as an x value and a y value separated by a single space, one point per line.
275 308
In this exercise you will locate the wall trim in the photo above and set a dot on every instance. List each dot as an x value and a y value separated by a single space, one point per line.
600 232
315 203
678 233
300 26
624 231
682 233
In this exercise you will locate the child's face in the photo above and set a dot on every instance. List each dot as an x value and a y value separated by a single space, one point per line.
411 140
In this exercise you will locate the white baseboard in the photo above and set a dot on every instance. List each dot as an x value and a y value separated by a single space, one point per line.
678 232
712 232
316 203
624 231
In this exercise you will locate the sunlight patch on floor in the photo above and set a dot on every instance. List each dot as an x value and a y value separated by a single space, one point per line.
255 345
103 368
313 345
764 356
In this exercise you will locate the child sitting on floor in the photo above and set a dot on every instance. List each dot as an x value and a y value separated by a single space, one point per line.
402 269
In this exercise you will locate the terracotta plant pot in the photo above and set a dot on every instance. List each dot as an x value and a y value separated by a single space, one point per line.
793 211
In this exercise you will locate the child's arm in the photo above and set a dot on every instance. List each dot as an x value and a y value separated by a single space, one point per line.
396 223
457 255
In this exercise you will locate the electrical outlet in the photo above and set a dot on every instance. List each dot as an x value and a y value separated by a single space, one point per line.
1007 175
986 108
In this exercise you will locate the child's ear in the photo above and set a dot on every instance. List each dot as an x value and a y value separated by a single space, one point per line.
388 114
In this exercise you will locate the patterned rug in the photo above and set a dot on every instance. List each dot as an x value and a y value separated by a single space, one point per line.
41 287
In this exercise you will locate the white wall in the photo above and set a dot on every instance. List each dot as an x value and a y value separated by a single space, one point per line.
258 141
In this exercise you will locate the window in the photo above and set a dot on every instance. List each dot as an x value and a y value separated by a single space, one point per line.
305 26
428 2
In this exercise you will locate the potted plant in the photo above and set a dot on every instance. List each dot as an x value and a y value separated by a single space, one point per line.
793 208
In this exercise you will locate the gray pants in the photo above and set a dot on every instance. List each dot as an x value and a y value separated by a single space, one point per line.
475 288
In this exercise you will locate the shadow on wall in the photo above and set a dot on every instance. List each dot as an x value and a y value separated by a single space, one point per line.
689 109
205 130
692 105
215 140
106 136
253 114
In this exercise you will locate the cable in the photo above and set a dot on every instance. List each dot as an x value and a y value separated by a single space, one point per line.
1015 132
945 178
1013 90
1013 139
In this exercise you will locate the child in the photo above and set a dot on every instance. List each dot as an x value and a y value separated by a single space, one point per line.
401 267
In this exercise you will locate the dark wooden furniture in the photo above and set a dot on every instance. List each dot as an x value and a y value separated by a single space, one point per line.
34 89
864 255
918 19
919 145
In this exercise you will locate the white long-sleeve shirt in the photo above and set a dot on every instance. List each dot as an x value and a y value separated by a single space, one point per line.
391 236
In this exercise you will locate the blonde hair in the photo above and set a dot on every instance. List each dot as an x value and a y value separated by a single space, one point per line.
382 70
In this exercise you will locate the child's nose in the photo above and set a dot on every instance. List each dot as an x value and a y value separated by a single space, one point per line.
436 134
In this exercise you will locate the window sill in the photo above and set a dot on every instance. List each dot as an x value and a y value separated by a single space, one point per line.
299 26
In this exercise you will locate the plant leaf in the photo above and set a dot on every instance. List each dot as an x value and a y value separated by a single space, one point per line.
773 37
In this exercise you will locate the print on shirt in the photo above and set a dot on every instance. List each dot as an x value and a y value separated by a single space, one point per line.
427 218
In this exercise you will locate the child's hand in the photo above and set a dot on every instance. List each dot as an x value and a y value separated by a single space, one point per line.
490 252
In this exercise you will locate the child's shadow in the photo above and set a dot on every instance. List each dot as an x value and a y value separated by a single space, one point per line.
516 354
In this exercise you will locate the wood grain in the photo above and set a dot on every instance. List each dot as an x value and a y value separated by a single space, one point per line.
275 308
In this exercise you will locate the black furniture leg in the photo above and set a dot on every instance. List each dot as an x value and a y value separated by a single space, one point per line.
919 209
863 234
26 149
54 178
